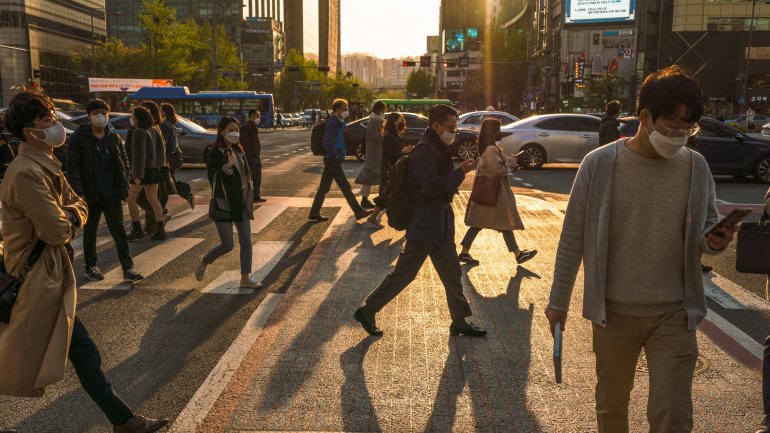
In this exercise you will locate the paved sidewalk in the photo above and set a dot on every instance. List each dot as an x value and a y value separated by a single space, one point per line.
314 369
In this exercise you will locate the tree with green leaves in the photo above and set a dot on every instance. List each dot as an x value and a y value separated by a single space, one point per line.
420 83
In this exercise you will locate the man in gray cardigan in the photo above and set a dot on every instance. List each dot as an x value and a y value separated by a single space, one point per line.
638 218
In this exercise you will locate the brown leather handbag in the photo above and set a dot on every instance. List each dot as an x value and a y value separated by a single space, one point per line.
753 248
485 191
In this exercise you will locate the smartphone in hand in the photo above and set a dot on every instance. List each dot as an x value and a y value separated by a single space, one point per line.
733 218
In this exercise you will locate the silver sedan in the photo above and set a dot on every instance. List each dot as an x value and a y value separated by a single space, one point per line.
473 119
551 138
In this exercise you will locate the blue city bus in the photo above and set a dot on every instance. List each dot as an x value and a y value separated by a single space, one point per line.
208 107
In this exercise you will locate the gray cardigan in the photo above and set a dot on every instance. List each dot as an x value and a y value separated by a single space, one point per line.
585 236
143 152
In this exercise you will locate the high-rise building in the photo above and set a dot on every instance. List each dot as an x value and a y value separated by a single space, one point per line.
461 28
364 67
313 29
262 48
711 38
38 37
123 16
265 9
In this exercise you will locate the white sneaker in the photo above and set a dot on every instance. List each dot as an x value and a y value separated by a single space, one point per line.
248 283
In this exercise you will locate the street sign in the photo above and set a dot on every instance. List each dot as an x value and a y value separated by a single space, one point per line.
425 61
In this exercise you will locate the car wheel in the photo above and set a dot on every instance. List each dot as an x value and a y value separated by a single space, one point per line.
361 151
533 156
762 170
466 150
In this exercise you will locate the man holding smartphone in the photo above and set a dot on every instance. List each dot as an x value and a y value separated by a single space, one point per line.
638 217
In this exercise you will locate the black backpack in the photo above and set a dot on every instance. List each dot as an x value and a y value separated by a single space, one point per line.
398 206
317 139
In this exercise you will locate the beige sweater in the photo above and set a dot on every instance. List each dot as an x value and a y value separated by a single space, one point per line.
646 240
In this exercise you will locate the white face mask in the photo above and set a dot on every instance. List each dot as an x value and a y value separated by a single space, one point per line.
345 114
667 147
99 120
132 121
232 137
55 135
448 137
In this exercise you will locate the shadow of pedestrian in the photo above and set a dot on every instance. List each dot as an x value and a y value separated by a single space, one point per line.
489 373
171 343
356 406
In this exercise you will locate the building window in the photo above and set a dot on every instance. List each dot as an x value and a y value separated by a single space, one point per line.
736 24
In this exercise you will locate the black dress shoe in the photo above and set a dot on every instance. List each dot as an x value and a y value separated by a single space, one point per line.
705 268
319 218
466 258
466 328
365 317
525 256
366 204
259 200
363 214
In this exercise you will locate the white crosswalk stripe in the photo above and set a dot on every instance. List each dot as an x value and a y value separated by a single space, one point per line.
186 217
263 216
147 263
265 256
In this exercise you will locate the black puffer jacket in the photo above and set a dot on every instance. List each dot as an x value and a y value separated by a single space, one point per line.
83 163
227 186
608 130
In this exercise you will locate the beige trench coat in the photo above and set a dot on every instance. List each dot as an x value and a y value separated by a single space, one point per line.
34 346
504 216
370 172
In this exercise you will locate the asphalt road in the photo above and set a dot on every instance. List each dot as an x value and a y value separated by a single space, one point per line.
168 317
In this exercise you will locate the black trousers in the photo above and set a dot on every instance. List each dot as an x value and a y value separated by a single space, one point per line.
113 216
333 172
766 380
444 259
255 165
85 358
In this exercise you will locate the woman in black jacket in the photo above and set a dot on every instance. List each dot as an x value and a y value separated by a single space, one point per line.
392 150
145 174
232 199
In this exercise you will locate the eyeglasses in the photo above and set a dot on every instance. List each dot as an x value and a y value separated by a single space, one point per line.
681 132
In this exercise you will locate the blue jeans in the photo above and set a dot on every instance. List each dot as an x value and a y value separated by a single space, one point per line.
225 232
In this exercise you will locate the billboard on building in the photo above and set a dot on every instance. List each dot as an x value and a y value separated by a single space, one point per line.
598 11
461 40
125 84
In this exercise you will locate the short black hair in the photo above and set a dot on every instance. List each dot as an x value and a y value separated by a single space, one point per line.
97 104
440 113
378 106
25 108
663 91
613 108
253 111
339 102
143 118
154 111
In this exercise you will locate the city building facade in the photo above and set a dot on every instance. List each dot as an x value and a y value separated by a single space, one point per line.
262 49
38 37
462 24
364 67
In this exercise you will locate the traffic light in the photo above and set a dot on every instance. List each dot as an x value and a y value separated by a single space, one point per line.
264 69
292 68
407 63
323 69
36 74
425 62
450 64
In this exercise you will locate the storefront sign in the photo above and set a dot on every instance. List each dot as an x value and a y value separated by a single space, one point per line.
125 84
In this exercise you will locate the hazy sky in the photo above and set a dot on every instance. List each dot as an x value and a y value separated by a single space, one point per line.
393 31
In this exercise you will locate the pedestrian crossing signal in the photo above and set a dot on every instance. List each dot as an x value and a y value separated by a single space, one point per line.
412 64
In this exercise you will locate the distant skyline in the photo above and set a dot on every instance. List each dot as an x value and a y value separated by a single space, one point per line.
398 30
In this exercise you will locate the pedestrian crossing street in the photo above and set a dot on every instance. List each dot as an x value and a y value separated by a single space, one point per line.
265 257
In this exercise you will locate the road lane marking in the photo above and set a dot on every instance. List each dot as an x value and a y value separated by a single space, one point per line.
518 179
265 256
732 296
735 333
263 216
201 403
527 184
147 263
77 244
186 217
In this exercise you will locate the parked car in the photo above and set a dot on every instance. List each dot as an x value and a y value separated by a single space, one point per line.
297 118
307 116
473 119
194 140
739 122
729 151
550 138
766 130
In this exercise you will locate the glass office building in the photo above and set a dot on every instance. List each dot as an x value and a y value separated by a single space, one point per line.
38 38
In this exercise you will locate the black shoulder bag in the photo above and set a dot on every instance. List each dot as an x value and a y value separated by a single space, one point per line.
10 285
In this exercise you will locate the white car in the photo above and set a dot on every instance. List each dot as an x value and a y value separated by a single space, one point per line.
551 138
766 130
473 119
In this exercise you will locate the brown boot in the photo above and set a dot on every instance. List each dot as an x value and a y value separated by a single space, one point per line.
140 424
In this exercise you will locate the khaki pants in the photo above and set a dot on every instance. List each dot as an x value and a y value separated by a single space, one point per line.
671 351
